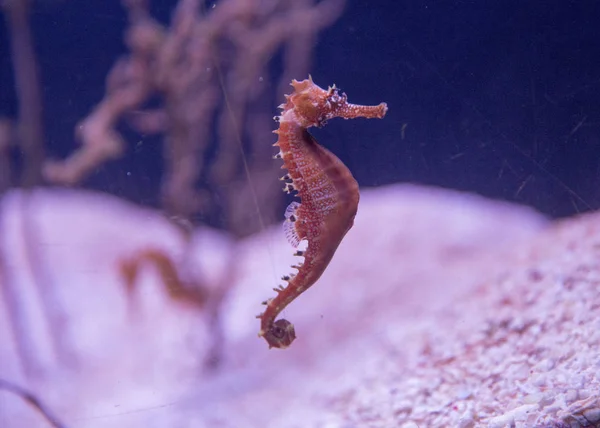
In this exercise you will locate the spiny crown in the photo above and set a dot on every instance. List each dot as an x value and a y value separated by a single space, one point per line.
314 105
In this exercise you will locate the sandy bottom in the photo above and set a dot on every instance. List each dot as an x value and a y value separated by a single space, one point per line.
440 309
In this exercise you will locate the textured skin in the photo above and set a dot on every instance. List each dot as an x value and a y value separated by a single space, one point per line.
327 190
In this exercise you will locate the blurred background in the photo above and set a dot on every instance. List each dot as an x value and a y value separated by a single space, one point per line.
497 98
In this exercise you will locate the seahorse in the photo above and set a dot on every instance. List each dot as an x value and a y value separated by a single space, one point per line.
327 191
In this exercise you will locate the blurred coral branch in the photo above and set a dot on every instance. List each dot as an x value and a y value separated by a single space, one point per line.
32 399
28 136
210 71
6 141
30 133
175 286
184 289
207 66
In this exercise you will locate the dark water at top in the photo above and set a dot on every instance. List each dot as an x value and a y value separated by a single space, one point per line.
499 98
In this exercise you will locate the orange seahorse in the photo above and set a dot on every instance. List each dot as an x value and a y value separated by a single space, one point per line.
327 190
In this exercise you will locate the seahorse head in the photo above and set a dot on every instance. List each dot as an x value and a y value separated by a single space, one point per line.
314 105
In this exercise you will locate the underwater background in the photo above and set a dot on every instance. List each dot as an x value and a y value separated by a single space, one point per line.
141 213
497 98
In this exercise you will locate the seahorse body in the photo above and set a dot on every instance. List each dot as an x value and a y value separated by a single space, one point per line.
327 190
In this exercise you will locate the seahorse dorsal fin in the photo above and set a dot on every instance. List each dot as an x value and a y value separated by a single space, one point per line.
290 211
289 225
